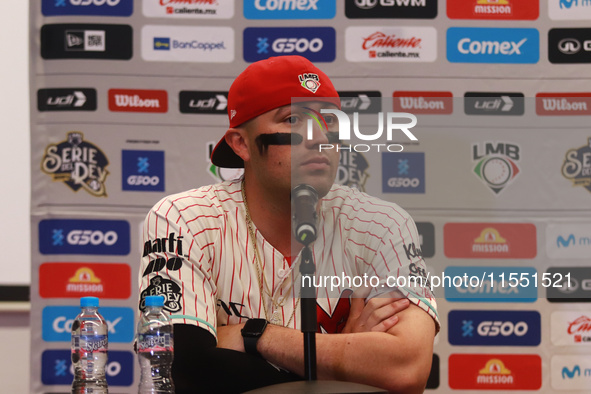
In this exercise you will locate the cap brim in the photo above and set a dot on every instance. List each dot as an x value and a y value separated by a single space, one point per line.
223 156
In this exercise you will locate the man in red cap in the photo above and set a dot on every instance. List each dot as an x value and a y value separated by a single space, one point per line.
235 298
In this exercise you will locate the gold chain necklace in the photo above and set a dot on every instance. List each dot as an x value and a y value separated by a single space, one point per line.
263 285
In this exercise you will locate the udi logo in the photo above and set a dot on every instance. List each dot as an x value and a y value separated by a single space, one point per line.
390 44
92 237
571 328
493 9
75 280
368 102
569 9
142 170
87 7
577 166
289 9
403 172
429 103
495 164
137 100
317 44
563 104
494 328
196 9
490 240
406 9
72 99
570 372
57 368
56 324
493 45
495 372
203 102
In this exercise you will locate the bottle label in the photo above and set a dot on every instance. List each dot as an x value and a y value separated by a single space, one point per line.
90 343
155 342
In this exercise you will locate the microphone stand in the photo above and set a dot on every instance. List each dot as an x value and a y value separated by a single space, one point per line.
308 312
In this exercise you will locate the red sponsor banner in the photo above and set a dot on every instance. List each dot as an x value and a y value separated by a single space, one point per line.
495 372
490 240
493 9
135 100
563 104
75 280
423 102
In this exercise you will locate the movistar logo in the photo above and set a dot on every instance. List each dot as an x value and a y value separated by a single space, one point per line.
567 373
565 243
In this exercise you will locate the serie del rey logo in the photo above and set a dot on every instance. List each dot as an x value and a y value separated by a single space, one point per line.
577 166
77 163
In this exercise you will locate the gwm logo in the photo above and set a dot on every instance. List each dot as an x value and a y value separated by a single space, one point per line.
338 129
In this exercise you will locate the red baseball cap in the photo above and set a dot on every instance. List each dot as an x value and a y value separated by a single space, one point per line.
269 84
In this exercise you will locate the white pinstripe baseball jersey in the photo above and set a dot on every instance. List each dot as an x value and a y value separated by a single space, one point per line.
199 255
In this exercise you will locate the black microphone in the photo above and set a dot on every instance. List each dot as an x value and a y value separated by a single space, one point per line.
304 199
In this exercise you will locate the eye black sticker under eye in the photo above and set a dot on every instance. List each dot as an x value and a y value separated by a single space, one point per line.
333 137
264 140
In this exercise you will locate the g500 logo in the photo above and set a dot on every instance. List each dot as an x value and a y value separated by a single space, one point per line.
577 166
344 130
77 163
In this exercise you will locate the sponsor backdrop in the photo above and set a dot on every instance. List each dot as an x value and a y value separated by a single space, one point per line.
130 96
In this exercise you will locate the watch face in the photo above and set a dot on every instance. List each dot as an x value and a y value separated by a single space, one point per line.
255 326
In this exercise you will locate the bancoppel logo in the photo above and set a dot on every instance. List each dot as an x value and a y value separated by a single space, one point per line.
570 372
72 99
568 284
137 100
56 323
494 328
495 164
563 104
495 372
571 328
488 103
317 44
492 285
189 9
493 9
340 121
142 170
569 9
426 238
427 103
188 44
490 240
569 45
568 241
77 163
398 9
75 280
363 102
403 172
86 41
87 7
57 368
353 170
493 45
577 166
290 9
203 102
92 237
391 44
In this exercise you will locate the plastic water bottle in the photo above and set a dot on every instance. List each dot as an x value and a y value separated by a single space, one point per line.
89 349
155 348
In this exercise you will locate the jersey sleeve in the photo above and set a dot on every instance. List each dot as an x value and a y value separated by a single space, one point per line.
174 265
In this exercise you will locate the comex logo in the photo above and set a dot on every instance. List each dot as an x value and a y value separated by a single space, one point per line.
467 46
285 5
344 130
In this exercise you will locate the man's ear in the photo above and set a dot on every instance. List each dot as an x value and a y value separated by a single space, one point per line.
236 139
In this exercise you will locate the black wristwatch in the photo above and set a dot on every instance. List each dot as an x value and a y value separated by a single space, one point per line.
251 332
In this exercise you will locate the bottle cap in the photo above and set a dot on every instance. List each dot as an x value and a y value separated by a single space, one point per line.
155 300
89 302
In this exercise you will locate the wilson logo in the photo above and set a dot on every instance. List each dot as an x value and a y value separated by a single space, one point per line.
121 100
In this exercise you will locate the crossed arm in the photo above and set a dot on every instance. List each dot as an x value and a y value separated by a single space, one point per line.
386 343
